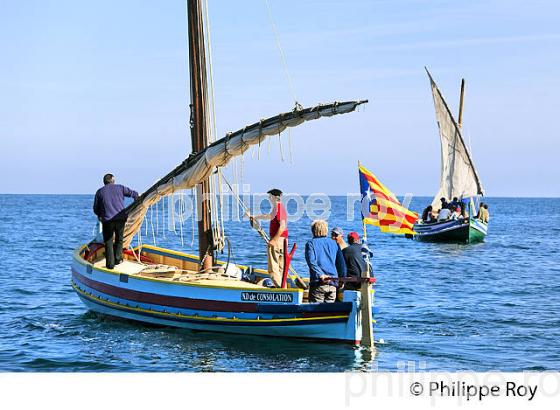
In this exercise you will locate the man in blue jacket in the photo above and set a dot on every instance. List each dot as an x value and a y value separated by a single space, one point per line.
109 208
326 264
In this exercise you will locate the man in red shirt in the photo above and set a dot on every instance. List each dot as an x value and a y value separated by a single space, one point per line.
277 232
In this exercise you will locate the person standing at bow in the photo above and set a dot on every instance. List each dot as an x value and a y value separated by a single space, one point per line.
278 232
108 205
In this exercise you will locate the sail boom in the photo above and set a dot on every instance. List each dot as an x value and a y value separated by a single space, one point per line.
200 165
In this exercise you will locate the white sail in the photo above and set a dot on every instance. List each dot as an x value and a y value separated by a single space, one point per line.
200 166
458 174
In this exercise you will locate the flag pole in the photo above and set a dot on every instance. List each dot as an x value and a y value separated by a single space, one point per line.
365 293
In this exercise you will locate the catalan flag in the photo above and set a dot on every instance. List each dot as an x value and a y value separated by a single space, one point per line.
380 207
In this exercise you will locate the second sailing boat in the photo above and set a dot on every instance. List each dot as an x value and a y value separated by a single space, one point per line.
459 179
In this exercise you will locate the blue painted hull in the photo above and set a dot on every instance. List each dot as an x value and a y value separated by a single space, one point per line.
278 312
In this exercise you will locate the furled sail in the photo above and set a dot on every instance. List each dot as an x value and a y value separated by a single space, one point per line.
458 174
200 165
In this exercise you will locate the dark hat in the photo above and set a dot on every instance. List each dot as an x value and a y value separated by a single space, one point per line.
275 192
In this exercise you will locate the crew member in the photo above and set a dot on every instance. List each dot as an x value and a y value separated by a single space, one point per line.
278 231
108 205
354 259
444 214
455 203
483 214
326 263
337 234
428 215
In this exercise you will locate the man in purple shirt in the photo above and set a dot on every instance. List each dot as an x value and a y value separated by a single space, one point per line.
109 208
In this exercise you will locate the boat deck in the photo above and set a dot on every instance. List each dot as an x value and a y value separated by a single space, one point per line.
171 273
127 267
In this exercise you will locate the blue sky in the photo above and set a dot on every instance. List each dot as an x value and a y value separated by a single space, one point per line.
94 87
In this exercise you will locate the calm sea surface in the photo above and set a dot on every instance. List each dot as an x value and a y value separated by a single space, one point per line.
490 306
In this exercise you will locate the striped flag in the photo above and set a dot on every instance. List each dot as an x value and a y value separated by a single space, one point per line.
380 207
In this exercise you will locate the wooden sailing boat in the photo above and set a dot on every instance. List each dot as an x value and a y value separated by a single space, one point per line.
166 287
458 179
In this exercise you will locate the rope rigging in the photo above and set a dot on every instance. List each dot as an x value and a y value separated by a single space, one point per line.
215 200
286 73
281 50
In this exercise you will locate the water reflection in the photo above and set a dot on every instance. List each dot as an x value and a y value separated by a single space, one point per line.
187 350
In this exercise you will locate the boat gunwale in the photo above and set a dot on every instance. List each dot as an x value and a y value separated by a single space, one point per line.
450 228
475 225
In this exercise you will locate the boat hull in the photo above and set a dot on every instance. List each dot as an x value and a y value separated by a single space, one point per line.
471 231
239 307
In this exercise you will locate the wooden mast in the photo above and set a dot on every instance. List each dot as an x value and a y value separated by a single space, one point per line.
460 120
199 132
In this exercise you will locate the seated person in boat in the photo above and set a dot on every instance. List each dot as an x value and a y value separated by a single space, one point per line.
478 215
354 259
428 215
483 214
108 205
455 203
456 214
278 231
464 213
326 263
337 234
444 203
444 214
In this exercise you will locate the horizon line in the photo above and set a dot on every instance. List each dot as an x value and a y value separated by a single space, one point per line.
305 194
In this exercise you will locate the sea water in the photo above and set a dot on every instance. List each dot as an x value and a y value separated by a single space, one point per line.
446 307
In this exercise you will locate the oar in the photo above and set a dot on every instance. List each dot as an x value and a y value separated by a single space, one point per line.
255 225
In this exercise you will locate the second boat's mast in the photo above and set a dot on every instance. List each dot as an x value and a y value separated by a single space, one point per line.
461 100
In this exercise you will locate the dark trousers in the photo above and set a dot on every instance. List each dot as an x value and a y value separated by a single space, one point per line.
325 293
113 247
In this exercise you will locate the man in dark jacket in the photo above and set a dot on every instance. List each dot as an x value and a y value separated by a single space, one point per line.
355 263
109 208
